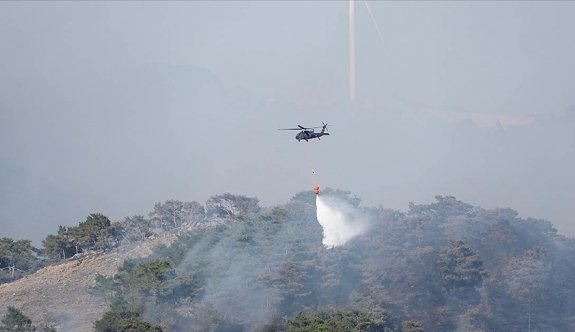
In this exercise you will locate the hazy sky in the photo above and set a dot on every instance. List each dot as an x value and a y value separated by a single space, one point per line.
112 106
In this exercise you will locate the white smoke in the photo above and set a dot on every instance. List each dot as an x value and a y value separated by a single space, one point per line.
340 221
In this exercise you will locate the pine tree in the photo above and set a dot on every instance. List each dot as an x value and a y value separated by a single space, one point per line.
15 321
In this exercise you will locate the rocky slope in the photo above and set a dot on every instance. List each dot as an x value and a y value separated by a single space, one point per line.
59 295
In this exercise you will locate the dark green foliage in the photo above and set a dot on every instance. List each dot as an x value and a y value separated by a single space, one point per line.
460 266
443 266
110 320
184 288
139 281
136 325
97 232
94 233
149 277
62 245
20 256
335 321
122 320
15 321
20 253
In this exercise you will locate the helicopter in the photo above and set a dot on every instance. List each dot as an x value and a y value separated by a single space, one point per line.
307 133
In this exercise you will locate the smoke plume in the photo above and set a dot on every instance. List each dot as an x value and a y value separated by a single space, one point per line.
340 221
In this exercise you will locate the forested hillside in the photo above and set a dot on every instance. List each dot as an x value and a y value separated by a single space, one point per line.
438 267
443 266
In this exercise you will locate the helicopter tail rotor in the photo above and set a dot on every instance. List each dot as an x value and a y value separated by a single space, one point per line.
324 128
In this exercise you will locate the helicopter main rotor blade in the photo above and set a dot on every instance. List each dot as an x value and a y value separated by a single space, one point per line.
300 127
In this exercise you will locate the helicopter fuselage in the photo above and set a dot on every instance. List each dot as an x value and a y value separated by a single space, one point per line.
309 134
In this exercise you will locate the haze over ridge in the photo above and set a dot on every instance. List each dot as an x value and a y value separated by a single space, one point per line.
111 107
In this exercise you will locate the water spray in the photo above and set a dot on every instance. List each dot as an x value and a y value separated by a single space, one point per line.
339 220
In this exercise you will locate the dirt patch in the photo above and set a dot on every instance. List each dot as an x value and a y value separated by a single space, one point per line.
61 292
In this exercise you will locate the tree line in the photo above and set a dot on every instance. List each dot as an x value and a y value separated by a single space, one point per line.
99 233
443 266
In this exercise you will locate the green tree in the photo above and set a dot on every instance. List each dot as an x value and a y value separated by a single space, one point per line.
18 255
94 233
335 321
461 266
136 325
122 320
149 277
15 321
136 282
62 245
272 264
